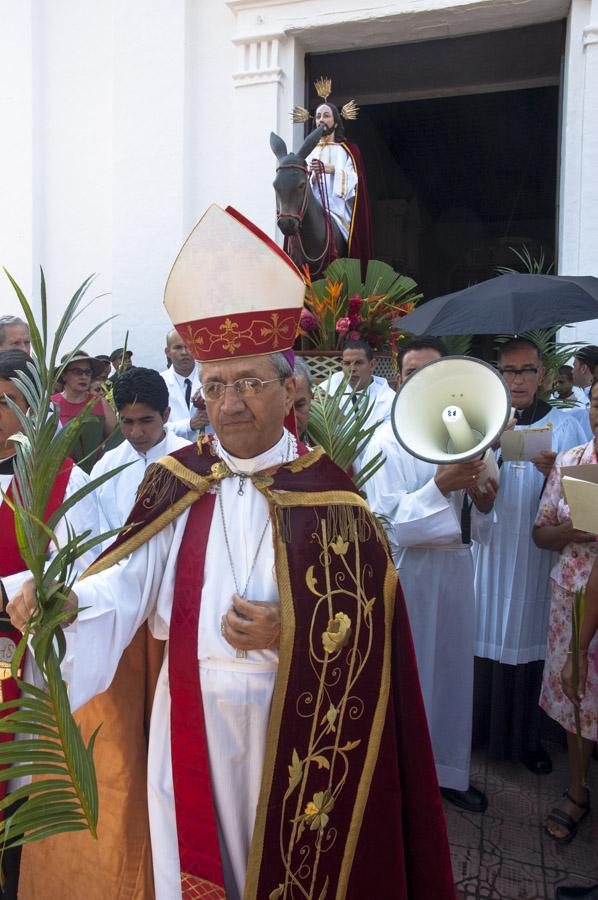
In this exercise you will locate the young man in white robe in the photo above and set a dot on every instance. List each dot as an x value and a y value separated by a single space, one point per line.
359 362
182 381
142 401
210 566
511 579
422 505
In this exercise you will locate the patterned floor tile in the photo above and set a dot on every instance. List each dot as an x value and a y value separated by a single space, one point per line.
513 840
507 879
504 855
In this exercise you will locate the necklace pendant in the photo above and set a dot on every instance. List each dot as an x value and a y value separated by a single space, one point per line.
241 654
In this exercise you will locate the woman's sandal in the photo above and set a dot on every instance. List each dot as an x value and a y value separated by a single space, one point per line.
564 820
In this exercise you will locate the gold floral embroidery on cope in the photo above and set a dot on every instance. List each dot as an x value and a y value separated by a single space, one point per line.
273 331
338 656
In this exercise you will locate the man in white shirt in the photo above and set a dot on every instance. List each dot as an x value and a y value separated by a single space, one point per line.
358 360
182 381
431 515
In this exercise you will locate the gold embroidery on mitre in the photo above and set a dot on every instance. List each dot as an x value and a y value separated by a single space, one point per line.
195 888
273 331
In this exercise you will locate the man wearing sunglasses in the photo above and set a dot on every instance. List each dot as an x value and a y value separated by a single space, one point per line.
511 579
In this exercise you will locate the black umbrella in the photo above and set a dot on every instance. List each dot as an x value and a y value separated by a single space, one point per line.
509 304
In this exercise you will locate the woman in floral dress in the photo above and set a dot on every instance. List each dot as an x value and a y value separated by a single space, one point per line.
553 530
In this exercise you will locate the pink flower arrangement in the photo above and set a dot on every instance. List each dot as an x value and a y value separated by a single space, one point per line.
343 325
355 303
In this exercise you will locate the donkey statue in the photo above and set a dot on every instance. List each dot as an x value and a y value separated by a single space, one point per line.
312 237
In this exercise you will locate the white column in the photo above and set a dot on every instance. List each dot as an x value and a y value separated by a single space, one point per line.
148 160
578 250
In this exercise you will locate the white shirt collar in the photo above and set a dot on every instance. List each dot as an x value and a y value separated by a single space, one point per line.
284 450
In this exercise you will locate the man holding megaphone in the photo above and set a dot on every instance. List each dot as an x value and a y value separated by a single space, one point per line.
433 512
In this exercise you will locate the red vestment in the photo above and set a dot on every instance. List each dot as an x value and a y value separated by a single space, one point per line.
349 779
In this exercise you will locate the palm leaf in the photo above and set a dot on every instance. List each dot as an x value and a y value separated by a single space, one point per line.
48 744
338 425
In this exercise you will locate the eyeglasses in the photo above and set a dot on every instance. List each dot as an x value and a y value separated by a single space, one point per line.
527 373
75 370
243 387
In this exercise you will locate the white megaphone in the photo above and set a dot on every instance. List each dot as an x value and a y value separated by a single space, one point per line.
452 410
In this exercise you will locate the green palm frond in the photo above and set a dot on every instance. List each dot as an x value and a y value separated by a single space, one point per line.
48 745
532 265
338 425
458 344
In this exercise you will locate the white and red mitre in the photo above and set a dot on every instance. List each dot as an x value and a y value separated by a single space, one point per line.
232 292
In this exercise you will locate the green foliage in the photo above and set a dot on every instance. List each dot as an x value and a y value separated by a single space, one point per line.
532 265
338 425
340 305
50 745
458 344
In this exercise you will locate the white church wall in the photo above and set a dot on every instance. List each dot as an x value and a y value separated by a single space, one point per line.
127 119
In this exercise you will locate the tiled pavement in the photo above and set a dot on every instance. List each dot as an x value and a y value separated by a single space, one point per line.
504 854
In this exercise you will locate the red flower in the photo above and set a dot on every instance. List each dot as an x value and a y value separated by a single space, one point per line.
354 336
355 303
343 325
354 319
308 321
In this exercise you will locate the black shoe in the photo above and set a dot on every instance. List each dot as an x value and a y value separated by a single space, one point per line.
539 762
472 800
577 893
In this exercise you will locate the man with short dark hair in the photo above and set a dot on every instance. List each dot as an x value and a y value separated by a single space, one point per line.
511 578
182 381
359 362
422 508
14 334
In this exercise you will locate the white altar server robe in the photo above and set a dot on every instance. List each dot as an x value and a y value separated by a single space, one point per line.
115 498
436 573
378 392
511 573
236 693
180 413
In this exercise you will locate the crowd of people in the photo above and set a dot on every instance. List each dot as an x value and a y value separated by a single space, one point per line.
489 578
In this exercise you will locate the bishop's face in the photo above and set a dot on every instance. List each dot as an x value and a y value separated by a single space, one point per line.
247 425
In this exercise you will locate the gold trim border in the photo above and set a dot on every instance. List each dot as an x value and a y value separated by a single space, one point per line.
137 540
374 738
287 614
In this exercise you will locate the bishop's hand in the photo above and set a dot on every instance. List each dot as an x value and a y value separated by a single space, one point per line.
251 625
24 603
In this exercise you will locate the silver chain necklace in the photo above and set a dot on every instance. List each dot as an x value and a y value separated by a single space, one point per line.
241 654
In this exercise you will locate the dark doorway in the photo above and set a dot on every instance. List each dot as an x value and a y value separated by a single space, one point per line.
456 180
